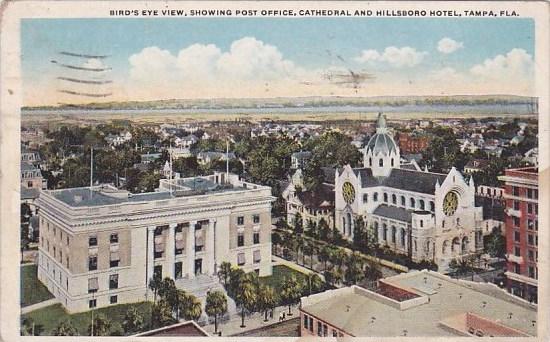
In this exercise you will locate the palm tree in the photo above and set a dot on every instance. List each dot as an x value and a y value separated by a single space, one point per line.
190 307
245 297
275 242
372 271
225 272
132 322
324 255
290 291
154 285
65 328
314 283
354 269
339 257
100 327
266 299
216 305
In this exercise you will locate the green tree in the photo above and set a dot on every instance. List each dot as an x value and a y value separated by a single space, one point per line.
161 314
371 240
313 283
245 297
298 224
359 233
266 299
216 305
225 272
291 290
190 307
323 229
65 328
99 327
30 328
373 271
495 243
324 255
155 282
354 269
133 321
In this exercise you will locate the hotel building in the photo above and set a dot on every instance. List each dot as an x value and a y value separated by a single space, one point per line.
521 222
101 246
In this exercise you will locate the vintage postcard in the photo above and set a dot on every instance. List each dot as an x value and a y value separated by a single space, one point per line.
274 169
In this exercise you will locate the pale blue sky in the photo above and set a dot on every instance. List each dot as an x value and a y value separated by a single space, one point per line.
311 43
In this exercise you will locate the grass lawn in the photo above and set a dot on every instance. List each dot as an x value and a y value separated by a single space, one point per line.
279 273
32 290
49 317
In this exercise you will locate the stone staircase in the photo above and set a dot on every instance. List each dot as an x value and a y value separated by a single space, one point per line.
199 286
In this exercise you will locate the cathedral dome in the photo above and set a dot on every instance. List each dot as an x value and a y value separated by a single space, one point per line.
381 141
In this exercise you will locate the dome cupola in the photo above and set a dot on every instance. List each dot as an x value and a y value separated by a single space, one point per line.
381 153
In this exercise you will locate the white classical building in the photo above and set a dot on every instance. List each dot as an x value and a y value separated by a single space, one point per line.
429 216
101 246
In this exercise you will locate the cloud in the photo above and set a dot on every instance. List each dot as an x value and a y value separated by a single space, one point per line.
515 64
396 57
448 45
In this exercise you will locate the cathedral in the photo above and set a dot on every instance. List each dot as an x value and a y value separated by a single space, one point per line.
428 216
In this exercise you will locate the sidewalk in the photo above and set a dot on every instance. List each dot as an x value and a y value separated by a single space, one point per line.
254 321
40 305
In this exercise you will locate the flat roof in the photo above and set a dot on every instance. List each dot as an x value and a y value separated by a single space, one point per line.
359 314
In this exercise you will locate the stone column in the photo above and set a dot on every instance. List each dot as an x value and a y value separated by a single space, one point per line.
191 250
210 245
169 249
380 233
150 255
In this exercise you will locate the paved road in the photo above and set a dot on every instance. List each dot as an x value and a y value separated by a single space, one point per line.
40 305
252 322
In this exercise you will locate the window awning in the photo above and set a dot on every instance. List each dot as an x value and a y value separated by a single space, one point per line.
180 244
93 284
179 236
115 256
159 247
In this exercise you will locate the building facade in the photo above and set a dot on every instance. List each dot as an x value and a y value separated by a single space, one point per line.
521 225
101 246
413 143
429 216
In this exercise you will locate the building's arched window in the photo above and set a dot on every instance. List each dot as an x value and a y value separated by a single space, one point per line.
421 223
392 162
375 197
380 162
365 198
422 207
370 161
376 225
403 236
415 247
443 224
457 221
393 233
385 232
432 206
403 200
412 203
394 199
343 225
385 197
349 224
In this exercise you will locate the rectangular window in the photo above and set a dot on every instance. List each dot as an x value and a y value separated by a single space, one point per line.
530 240
240 220
515 191
530 224
113 238
157 271
516 221
257 256
529 208
517 268
54 254
531 255
178 270
240 259
256 218
92 241
531 272
311 324
92 303
529 193
93 285
114 263
92 263
113 281
113 299
306 321
334 333
516 205
325 330
67 262
319 329
240 240
256 238
517 237
365 198
179 228
517 251
158 231
68 240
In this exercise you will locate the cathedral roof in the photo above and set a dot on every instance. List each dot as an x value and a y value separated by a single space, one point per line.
322 197
394 213
381 141
410 180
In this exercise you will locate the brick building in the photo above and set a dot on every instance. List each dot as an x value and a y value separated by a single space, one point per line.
413 143
521 225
